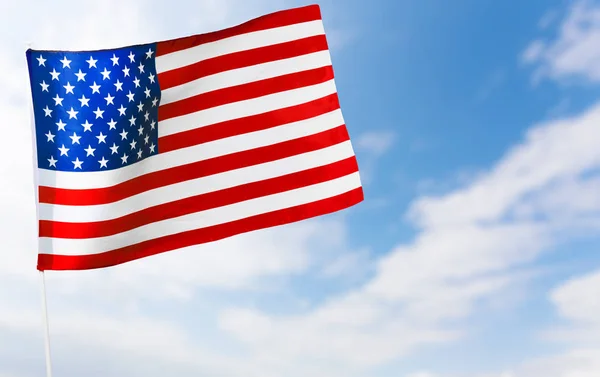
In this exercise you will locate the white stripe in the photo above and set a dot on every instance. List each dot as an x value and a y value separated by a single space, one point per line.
198 186
202 219
238 43
246 108
161 161
246 75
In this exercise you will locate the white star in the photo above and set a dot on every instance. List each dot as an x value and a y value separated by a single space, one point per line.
95 88
141 130
64 151
47 111
80 76
41 61
61 125
114 149
125 71
152 146
115 60
140 107
146 116
109 99
112 125
154 102
152 124
77 164
54 74
57 100
87 126
92 62
132 120
149 53
90 151
133 143
124 158
69 88
141 67
139 153
98 113
130 96
75 138
136 81
146 138
66 62
44 86
151 78
105 74
72 113
50 136
147 91
101 138
122 110
52 161
131 57
84 101
119 85
123 135
103 163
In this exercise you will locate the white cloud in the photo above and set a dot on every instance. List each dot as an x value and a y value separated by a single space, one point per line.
548 19
375 142
470 242
370 146
574 54
576 301
490 84
421 374
556 151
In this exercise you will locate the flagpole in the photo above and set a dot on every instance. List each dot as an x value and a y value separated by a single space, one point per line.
42 275
46 326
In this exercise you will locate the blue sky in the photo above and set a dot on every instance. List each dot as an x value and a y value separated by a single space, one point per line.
475 123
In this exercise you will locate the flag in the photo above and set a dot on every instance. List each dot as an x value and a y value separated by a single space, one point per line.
150 148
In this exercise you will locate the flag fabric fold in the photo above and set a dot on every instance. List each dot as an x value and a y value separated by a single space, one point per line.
150 148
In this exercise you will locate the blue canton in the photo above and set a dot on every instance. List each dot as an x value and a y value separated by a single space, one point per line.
94 110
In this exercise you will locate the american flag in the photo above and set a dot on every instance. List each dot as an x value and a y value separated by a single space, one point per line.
150 148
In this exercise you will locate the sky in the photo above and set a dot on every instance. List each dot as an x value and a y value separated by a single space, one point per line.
476 125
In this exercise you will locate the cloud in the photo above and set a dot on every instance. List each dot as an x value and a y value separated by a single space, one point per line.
576 301
574 53
472 244
490 84
557 151
375 142
371 146
421 374
548 19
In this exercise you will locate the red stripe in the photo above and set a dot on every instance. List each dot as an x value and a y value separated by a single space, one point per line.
269 21
199 236
194 170
198 203
249 124
245 91
241 59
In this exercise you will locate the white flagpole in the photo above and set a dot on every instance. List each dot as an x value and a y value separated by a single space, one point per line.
42 275
46 326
